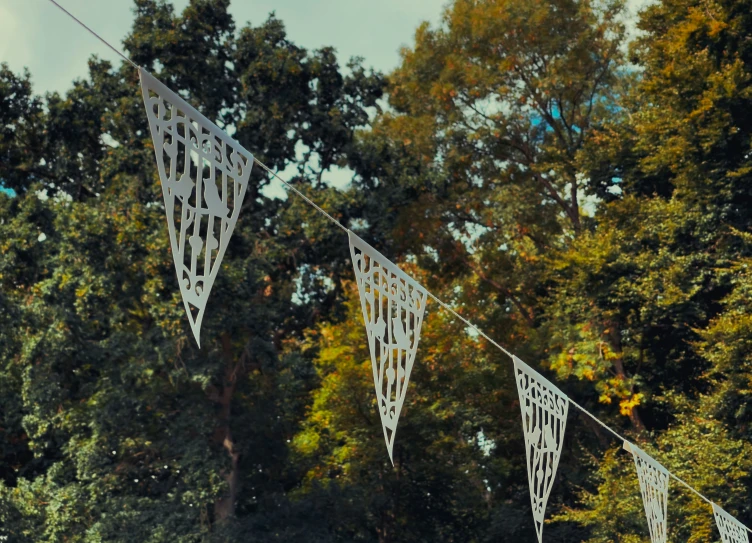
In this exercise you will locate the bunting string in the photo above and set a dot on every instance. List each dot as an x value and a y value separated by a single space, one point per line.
100 38
485 336
731 529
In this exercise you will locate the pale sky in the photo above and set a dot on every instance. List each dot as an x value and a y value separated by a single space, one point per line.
36 34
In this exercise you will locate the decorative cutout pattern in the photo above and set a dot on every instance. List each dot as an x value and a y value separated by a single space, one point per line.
204 175
654 487
544 419
393 306
732 531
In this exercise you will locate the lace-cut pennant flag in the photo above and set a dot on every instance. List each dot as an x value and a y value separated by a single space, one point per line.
544 419
204 175
732 531
654 487
393 305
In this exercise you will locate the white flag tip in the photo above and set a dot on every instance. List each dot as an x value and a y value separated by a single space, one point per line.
389 439
539 531
195 317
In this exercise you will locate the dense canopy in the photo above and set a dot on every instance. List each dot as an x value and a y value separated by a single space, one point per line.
583 199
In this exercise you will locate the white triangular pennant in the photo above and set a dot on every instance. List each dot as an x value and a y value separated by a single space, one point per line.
544 419
654 487
204 175
393 305
732 531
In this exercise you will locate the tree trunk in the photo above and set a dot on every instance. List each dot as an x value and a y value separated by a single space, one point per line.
224 507
634 414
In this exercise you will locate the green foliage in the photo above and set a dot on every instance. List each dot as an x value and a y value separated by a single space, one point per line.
115 427
451 455
590 216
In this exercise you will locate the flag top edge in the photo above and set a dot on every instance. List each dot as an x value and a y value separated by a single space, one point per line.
520 363
357 241
148 81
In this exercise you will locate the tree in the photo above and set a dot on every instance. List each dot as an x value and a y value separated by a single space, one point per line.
457 457
667 263
115 426
482 165
589 215
470 178
619 297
